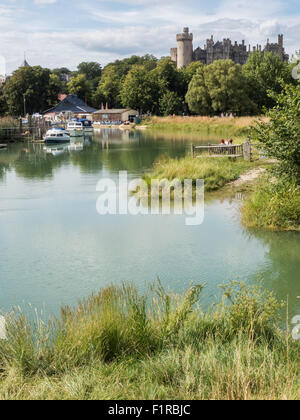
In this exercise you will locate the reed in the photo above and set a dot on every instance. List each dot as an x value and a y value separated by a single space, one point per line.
216 172
274 205
121 344
223 127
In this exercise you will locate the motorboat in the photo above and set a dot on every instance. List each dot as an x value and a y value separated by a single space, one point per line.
80 127
75 128
57 135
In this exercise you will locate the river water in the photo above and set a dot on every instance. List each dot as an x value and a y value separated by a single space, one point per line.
55 248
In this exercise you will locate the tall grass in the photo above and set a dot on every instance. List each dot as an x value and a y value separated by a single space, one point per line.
273 205
9 122
224 127
121 344
215 172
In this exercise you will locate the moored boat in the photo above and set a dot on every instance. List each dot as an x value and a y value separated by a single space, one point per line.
57 135
80 128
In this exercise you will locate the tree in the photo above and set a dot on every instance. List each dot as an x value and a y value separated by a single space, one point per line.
91 70
227 88
265 73
109 88
31 84
281 135
54 89
190 71
170 103
80 87
139 90
197 97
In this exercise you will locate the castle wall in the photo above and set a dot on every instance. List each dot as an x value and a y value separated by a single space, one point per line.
184 54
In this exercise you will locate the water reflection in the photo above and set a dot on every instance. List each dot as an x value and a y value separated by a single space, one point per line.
55 248
281 272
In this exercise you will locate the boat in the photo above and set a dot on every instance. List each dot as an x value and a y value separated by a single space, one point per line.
80 127
57 135
75 128
88 128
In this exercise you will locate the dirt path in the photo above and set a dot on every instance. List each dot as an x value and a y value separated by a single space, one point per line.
248 177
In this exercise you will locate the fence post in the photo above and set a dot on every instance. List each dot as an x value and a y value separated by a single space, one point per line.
247 150
192 150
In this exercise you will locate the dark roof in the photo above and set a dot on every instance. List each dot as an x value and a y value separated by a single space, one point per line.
112 111
71 104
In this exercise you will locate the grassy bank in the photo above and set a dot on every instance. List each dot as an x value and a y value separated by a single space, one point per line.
220 127
124 345
216 172
273 205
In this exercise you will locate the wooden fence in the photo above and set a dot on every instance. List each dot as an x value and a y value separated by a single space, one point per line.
234 151
35 130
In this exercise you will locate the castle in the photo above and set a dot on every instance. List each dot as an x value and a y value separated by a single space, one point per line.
184 54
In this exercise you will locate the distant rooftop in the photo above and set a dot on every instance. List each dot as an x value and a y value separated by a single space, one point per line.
112 111
71 103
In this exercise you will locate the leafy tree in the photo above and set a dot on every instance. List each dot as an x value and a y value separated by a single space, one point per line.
54 89
80 87
170 103
281 135
168 77
62 70
3 104
91 70
190 71
264 73
227 88
33 84
139 90
109 88
198 98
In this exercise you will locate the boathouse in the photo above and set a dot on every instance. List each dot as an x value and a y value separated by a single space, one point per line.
114 115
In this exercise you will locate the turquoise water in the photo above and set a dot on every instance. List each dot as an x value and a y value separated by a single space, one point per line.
55 248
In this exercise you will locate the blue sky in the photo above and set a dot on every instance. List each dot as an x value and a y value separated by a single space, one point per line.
56 33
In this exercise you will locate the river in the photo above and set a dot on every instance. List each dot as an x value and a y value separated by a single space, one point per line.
55 248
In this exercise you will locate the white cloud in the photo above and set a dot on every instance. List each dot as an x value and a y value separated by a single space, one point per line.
118 28
44 1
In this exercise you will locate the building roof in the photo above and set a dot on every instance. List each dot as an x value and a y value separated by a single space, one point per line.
73 104
112 111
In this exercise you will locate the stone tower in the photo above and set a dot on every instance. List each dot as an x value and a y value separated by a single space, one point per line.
184 49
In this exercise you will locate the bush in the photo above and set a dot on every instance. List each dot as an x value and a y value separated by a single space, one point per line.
280 136
273 206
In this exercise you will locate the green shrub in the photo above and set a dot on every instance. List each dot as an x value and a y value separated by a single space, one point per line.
273 205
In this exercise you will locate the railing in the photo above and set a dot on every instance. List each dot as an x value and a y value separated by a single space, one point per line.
234 151
246 150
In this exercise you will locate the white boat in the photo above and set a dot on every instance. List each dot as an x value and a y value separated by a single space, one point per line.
75 128
79 128
57 135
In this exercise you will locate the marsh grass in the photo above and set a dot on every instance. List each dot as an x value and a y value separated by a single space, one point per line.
274 205
121 344
215 172
222 127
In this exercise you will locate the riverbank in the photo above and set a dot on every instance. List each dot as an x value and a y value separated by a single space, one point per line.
220 127
217 173
120 344
274 205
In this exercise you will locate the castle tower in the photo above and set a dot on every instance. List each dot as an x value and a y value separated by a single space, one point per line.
185 49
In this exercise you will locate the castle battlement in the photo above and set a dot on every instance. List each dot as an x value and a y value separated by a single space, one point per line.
184 54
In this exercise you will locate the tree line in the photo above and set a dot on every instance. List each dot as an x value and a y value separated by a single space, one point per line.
156 86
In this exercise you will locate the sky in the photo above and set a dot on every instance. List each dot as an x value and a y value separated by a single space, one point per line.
63 33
